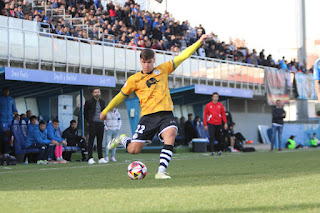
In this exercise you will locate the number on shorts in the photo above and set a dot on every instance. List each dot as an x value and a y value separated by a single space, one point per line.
140 129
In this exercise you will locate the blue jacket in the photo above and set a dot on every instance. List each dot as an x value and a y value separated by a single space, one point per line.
7 108
30 134
41 137
53 134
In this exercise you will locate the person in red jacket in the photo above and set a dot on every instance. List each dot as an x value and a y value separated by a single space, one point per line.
213 116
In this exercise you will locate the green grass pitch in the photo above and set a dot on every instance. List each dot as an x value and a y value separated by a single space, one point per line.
234 182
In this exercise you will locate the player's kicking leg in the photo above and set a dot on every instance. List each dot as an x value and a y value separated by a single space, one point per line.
132 146
169 136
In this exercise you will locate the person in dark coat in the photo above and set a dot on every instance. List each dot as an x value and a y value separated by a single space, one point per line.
190 130
92 109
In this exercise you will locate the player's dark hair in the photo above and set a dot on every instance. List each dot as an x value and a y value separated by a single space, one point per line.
93 89
55 121
146 54
215 93
33 118
42 122
72 122
5 88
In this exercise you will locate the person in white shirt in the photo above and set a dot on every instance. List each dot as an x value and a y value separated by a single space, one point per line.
112 126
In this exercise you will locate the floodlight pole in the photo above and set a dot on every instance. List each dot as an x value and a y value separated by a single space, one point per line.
302 52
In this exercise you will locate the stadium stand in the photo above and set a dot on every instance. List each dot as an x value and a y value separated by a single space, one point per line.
129 25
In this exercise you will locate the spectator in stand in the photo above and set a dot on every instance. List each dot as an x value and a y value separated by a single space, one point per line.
112 125
19 13
201 52
38 138
92 109
283 64
213 117
112 12
278 114
135 19
74 139
54 135
190 131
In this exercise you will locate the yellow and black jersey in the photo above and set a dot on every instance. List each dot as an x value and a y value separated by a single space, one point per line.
152 89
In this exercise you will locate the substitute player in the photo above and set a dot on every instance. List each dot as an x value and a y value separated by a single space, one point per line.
316 76
151 87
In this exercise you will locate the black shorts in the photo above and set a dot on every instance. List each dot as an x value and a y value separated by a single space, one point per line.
150 124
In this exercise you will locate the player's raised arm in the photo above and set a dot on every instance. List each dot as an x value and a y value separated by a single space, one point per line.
189 51
118 99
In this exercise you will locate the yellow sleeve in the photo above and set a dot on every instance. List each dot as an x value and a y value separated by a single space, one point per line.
129 86
114 102
186 54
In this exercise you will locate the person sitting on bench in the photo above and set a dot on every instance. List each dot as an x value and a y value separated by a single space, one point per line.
73 139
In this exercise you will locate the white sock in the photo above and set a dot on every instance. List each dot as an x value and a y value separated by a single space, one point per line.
165 158
124 141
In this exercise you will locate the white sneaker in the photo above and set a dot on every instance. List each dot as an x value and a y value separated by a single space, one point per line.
40 162
161 175
102 160
232 149
107 159
113 159
116 141
91 161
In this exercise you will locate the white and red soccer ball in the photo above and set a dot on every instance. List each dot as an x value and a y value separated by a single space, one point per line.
137 170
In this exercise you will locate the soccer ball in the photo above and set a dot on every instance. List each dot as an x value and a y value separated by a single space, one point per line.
137 170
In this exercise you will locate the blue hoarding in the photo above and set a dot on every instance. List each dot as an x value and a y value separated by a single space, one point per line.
20 74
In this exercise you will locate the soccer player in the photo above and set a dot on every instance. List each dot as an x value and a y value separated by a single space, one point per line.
151 87
316 76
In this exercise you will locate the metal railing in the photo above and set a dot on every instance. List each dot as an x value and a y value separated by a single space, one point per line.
63 52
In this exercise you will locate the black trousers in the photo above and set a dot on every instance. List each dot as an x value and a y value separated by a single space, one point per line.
82 144
96 129
216 133
44 150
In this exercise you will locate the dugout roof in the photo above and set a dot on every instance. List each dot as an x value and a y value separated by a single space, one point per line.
38 83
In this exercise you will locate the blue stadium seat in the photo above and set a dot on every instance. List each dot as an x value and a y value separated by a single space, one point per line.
24 127
71 149
19 144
